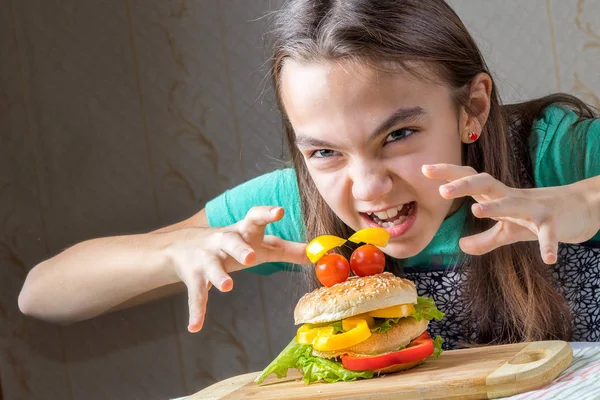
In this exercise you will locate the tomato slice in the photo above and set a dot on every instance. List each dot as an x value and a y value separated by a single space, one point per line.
420 348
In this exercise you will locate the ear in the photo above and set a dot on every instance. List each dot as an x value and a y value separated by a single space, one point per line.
474 115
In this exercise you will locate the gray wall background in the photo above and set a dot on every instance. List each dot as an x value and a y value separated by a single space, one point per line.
122 116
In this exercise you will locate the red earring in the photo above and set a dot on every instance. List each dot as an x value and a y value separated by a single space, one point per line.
473 136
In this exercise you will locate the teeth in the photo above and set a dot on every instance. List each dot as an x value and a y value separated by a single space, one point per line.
381 214
391 213
387 224
378 217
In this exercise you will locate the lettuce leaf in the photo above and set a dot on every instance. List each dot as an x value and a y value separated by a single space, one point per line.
317 368
437 346
337 327
384 324
288 358
299 356
426 309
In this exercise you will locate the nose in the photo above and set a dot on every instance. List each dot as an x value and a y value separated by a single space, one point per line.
369 182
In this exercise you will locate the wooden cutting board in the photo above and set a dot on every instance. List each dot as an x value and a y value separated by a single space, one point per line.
478 373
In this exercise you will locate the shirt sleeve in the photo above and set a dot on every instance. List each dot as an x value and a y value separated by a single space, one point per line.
277 188
563 150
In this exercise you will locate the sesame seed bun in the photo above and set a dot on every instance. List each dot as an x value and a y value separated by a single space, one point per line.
354 296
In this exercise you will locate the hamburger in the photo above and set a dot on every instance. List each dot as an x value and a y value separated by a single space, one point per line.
359 328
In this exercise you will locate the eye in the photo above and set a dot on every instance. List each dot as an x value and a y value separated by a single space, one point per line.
399 134
323 153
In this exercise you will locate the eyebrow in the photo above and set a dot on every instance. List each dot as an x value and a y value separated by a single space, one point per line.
402 115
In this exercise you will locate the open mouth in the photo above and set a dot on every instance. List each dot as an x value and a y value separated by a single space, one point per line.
397 221
393 216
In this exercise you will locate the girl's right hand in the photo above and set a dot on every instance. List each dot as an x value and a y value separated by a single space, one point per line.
203 257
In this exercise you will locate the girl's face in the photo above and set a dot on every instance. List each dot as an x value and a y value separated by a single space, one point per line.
365 135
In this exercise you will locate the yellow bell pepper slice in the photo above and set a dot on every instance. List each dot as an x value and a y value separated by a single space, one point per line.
321 245
399 311
307 333
370 321
359 331
375 236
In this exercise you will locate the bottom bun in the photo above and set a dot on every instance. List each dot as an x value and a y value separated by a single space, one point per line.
398 367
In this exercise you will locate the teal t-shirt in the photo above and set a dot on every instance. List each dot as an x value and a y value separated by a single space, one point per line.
277 188
561 151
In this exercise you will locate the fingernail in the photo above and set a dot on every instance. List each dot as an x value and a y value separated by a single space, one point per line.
449 188
225 285
429 167
245 254
193 328
275 210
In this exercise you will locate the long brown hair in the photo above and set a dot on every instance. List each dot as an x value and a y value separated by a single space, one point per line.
511 293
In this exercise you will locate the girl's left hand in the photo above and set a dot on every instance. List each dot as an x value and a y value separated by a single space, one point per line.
549 215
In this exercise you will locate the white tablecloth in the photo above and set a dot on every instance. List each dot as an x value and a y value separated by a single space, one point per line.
580 381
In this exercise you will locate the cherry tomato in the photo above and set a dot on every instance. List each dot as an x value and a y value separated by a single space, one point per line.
332 268
367 260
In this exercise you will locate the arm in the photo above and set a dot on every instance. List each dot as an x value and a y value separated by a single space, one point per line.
590 189
110 273
104 274
567 214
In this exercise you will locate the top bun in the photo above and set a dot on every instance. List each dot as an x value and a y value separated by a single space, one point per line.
354 296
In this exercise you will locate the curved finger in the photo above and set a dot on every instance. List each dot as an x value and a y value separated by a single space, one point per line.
214 273
447 172
474 186
252 227
284 251
506 207
495 237
233 245
548 244
197 298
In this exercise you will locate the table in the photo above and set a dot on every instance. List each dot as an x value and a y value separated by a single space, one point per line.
581 381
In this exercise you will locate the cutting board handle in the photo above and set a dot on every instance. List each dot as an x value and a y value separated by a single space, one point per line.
523 371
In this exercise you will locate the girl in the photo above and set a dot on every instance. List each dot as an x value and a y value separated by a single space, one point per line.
392 120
